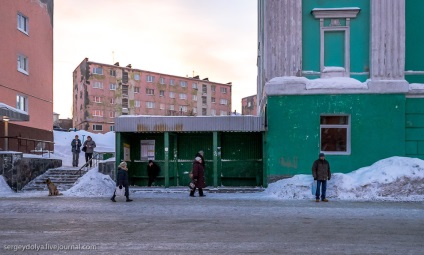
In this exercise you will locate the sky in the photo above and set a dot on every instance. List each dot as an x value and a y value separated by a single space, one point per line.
215 39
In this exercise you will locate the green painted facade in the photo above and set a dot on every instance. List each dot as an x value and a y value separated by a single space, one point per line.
292 142
415 127
334 41
414 53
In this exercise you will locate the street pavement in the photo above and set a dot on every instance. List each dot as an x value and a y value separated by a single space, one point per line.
215 224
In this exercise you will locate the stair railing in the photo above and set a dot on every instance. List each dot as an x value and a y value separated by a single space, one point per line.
97 156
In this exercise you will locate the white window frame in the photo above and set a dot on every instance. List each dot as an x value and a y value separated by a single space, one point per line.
223 90
137 103
137 76
112 128
183 84
150 78
194 110
112 86
194 86
112 72
150 105
194 97
162 80
97 99
171 82
23 23
112 114
172 107
23 64
96 70
150 92
112 100
213 112
223 102
98 85
136 90
171 94
22 103
348 133
183 108
183 96
213 100
161 93
97 113
96 127
162 106
223 113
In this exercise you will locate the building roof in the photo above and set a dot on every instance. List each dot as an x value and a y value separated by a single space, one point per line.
12 114
146 124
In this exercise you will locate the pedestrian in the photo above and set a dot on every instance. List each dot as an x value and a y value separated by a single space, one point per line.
122 181
76 149
89 145
201 155
152 171
198 177
321 173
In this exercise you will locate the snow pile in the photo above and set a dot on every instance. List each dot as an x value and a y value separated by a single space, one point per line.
416 86
92 184
395 178
336 83
4 187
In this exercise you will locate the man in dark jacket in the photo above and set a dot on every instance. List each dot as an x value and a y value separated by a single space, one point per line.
76 149
122 181
198 177
321 173
152 171
89 145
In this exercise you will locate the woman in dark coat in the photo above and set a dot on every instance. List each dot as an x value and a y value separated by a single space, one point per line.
198 177
122 181
152 171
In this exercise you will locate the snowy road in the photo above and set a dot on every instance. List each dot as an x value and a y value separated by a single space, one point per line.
216 224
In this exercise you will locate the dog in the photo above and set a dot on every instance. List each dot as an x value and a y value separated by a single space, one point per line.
53 191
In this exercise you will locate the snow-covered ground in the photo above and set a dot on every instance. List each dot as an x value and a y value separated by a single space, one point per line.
393 179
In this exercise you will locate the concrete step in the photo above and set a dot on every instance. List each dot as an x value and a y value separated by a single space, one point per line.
64 178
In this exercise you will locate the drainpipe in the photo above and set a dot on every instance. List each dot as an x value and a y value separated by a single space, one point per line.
6 132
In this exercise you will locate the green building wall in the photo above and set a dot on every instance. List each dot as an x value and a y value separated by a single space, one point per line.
292 142
415 127
414 53
359 38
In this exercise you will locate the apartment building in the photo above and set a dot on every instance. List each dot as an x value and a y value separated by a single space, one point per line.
103 92
248 105
26 73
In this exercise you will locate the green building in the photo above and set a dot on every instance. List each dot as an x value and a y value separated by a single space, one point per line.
342 77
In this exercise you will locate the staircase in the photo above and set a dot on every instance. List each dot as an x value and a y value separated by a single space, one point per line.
63 177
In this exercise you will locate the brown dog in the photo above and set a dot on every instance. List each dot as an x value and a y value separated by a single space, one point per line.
53 191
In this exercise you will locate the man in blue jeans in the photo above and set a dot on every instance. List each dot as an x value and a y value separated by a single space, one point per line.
321 173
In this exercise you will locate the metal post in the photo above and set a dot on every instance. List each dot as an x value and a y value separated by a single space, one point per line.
166 143
6 133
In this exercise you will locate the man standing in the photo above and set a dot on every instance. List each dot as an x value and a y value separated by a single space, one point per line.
76 145
152 171
321 173
89 145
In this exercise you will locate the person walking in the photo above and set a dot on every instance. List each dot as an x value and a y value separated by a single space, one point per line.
89 145
201 155
198 177
122 181
152 171
321 173
76 149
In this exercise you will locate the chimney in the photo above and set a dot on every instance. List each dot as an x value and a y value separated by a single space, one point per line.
230 83
196 77
129 65
206 79
116 64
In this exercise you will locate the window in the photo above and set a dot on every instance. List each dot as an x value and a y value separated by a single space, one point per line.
223 113
249 104
204 111
223 90
183 84
194 110
335 134
22 23
204 100
137 103
183 96
137 76
22 103
112 114
22 64
204 89
172 107
150 105
112 72
162 93
194 98
150 78
112 101
136 90
98 70
97 113
162 80
150 91
147 149
171 82
125 103
112 86
213 112
171 94
223 101
125 90
125 77
97 99
213 100
112 128
162 106
184 108
194 85
98 85
213 88
97 127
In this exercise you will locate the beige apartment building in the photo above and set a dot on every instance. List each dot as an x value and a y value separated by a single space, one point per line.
103 92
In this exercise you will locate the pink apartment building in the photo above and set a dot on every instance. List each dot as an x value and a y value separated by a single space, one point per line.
248 105
26 74
103 92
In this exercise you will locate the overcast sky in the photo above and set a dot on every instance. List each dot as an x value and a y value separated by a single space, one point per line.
212 38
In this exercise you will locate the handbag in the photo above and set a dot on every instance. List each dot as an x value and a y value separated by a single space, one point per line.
192 185
314 187
120 192
84 148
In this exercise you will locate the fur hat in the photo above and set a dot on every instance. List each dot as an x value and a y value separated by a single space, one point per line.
198 159
123 164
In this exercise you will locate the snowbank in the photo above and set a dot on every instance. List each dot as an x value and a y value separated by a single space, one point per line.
92 184
395 178
4 187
